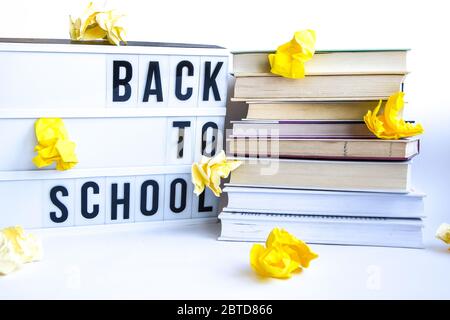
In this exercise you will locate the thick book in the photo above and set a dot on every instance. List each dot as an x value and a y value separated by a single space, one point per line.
333 87
325 203
340 149
323 175
310 110
328 62
243 226
301 129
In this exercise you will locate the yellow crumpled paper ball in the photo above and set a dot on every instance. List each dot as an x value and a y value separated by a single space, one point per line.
443 233
17 248
297 249
96 24
289 59
272 262
9 259
283 255
208 172
53 144
389 125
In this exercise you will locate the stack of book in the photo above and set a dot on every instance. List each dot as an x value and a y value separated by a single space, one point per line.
310 164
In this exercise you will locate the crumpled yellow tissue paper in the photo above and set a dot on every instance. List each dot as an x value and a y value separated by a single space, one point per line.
17 248
208 172
9 259
283 255
389 125
272 262
299 251
54 144
443 233
96 24
289 59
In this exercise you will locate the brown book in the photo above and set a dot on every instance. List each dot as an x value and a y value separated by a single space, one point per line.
340 149
301 129
340 87
323 175
310 110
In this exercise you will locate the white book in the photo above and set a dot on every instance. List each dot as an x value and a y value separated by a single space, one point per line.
406 233
325 203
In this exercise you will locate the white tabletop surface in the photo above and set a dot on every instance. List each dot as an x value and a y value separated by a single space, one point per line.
187 262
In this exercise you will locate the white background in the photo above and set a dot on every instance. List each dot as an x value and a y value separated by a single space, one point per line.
251 25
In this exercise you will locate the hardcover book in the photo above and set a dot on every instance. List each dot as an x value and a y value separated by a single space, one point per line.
322 148
301 129
310 110
381 61
331 87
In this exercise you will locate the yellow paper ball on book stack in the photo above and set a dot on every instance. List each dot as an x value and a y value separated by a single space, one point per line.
311 165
